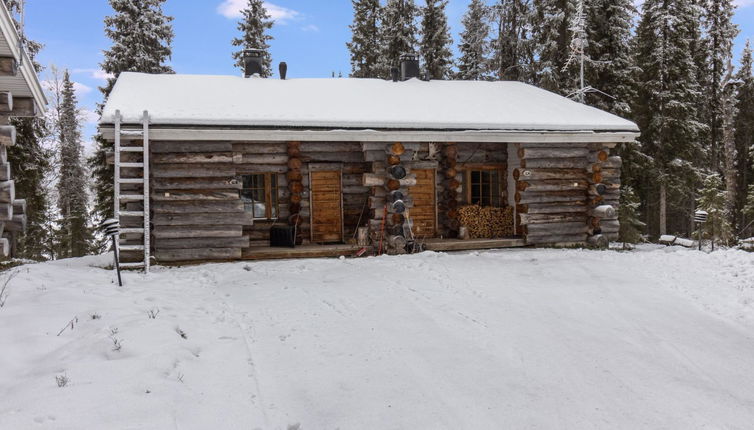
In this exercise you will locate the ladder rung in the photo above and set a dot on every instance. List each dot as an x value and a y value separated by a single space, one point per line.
131 165
131 265
131 197
131 213
131 133
131 149
131 247
131 230
131 180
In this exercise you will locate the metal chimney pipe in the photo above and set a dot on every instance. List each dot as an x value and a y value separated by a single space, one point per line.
409 66
283 69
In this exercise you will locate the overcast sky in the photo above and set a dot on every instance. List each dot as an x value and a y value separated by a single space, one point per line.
310 35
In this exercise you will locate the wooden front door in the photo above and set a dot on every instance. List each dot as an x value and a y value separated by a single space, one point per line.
424 212
326 205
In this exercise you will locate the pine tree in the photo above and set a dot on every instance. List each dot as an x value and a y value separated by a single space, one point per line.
397 34
713 200
511 48
474 46
76 236
612 70
365 38
628 215
721 32
665 109
551 37
436 40
30 163
141 36
254 24
744 133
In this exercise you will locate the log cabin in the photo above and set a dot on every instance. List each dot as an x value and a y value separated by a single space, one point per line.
222 167
21 96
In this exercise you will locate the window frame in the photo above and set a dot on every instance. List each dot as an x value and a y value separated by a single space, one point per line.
269 192
468 185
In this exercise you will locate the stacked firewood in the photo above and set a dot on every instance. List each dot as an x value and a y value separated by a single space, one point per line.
486 222
448 203
295 186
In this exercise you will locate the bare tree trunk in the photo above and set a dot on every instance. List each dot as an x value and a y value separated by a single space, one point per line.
663 209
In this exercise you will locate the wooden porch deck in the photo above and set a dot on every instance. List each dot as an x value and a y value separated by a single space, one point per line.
320 251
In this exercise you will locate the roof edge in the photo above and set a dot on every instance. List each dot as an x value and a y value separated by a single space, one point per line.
8 28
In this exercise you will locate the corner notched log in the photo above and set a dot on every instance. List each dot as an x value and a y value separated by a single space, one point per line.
7 135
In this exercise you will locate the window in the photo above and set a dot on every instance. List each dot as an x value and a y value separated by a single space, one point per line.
259 194
484 186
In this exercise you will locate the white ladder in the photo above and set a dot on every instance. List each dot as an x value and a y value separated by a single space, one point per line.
142 227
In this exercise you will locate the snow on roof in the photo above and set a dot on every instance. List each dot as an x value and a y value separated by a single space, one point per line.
350 103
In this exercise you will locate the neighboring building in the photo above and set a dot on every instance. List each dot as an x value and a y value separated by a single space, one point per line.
20 96
229 157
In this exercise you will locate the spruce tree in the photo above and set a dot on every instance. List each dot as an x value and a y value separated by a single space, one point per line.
474 46
436 40
75 235
628 215
30 164
713 200
612 70
550 20
720 32
365 38
511 48
397 34
665 110
254 24
141 36
744 133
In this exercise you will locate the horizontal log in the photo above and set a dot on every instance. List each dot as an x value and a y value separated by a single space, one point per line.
552 185
160 184
5 172
547 174
613 163
331 147
8 66
6 102
161 147
203 254
530 153
552 145
380 179
197 231
192 158
557 239
260 148
198 207
554 163
7 191
333 157
7 135
19 206
23 107
528 219
526 197
195 171
6 212
4 247
18 223
204 242
261 159
202 219
548 208
3 154
555 229
195 196
603 211
597 156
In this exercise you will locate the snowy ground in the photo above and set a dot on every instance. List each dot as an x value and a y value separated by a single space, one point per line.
519 339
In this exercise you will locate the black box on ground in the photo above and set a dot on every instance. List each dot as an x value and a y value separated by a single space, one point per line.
283 236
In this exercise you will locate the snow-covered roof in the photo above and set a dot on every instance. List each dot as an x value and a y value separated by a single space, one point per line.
350 103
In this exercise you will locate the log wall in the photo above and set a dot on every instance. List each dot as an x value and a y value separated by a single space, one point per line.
567 193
